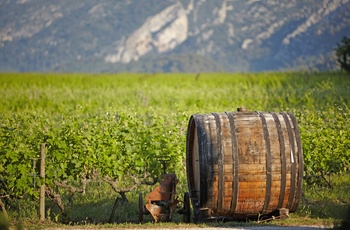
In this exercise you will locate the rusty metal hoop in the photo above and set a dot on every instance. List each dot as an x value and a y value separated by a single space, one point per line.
163 160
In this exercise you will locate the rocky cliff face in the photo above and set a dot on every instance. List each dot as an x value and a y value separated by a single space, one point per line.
161 32
171 35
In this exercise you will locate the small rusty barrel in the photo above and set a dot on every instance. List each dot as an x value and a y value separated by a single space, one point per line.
243 164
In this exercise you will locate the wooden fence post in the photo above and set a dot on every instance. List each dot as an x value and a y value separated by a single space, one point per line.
42 187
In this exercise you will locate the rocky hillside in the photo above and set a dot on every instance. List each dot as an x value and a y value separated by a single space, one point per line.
171 35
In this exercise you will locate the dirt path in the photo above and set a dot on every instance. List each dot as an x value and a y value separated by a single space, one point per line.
209 228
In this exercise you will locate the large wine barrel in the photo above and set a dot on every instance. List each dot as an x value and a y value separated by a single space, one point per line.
243 164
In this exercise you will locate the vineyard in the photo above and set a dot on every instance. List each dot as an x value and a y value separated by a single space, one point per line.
105 131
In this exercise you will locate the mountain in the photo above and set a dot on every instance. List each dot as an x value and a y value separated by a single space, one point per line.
171 35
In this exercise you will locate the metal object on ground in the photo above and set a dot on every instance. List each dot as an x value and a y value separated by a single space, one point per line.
162 202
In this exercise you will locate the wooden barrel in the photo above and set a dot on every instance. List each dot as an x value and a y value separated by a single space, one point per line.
242 164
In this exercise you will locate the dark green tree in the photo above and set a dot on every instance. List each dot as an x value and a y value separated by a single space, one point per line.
343 54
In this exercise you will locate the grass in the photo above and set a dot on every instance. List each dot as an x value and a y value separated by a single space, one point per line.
327 203
320 206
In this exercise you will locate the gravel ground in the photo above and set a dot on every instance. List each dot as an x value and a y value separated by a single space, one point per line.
215 228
